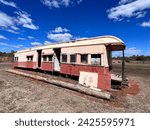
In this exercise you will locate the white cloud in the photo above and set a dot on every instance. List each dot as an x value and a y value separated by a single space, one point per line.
3 44
60 30
56 3
66 3
3 37
60 37
12 31
79 1
129 52
51 3
59 3
17 46
6 21
30 37
124 1
24 19
145 24
141 14
11 24
129 8
59 34
20 38
35 43
12 46
47 42
14 28
132 51
12 4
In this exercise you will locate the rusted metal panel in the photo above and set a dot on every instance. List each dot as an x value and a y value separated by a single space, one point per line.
104 75
15 64
48 66
104 81
31 65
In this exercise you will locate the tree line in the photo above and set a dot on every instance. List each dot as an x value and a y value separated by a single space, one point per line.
134 58
7 54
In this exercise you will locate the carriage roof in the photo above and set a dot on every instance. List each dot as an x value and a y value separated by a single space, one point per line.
101 40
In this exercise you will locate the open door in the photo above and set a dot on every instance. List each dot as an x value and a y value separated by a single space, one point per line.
57 59
39 57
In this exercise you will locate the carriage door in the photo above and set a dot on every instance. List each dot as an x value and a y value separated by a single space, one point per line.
57 59
39 57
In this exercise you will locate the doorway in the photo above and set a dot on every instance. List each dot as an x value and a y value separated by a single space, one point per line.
57 59
39 57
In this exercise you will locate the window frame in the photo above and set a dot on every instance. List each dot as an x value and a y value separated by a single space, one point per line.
62 58
44 58
16 59
75 58
30 58
100 61
82 59
48 58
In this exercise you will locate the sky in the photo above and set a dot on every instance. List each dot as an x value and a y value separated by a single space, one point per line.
28 23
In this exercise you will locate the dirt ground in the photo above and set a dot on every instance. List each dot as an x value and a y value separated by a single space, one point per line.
22 94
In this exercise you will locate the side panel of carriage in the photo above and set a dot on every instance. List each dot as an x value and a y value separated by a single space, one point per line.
26 60
91 56
70 61
87 59
47 60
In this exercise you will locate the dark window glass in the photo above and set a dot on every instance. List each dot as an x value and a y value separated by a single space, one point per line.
29 58
73 58
84 58
16 59
64 57
50 57
44 58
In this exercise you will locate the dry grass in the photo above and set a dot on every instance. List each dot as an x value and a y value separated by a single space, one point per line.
21 94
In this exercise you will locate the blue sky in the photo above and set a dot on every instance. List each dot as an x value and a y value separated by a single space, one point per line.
28 23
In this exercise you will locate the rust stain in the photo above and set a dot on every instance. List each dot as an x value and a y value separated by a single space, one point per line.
133 88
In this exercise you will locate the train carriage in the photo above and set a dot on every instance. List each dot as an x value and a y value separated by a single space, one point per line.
92 55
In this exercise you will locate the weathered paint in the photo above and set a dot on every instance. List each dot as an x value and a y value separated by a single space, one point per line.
104 75
30 65
15 64
94 49
47 52
102 40
48 66
98 45
88 79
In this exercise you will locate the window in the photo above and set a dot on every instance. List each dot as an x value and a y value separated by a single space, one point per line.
73 58
45 58
96 59
84 58
50 57
16 59
64 57
29 58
